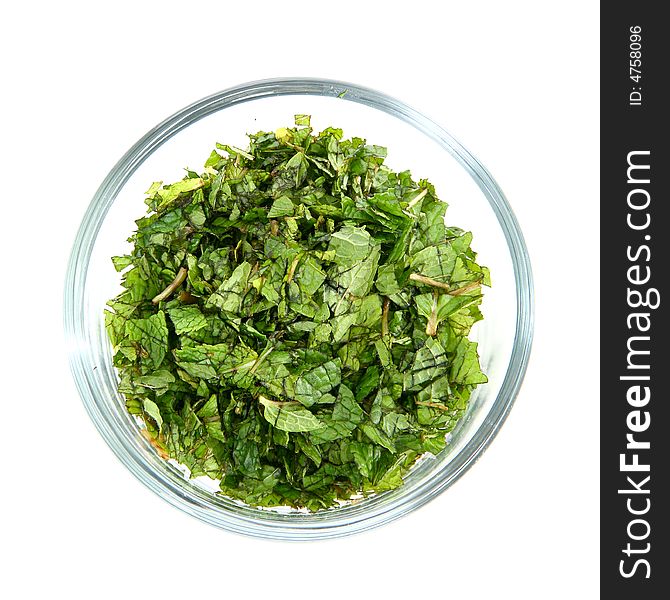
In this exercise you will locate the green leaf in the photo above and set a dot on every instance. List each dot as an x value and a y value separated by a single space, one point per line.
171 192
465 366
187 319
228 296
208 361
282 207
378 437
394 422
346 408
366 457
210 408
430 362
122 262
310 276
312 386
350 245
289 416
159 381
356 256
436 262
387 282
151 408
151 334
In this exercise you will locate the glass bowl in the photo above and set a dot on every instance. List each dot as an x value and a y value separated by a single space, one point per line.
414 142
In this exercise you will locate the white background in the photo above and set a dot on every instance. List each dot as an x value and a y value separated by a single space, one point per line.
516 82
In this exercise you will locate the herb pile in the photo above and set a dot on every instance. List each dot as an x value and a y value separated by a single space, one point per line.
294 321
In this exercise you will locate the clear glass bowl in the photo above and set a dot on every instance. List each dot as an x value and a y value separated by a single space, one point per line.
414 142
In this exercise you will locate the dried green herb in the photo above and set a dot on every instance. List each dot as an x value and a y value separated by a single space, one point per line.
295 319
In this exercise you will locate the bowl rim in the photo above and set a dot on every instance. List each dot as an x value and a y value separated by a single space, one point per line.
74 307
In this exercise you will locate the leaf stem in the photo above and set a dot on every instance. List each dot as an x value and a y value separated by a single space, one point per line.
429 281
263 355
444 286
292 268
176 282
263 400
417 198
431 327
385 317
433 405
466 288
156 445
